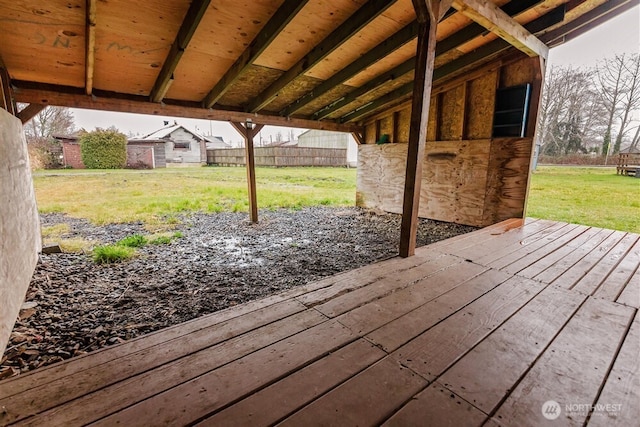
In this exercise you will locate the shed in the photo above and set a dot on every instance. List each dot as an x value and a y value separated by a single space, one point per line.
327 139
182 145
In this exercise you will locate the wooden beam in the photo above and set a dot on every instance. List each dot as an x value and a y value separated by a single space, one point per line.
90 54
359 137
453 41
7 100
470 60
383 49
495 20
29 112
425 57
351 26
66 97
192 19
285 13
248 135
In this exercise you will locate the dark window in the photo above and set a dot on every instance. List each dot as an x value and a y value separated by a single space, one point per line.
512 109
184 145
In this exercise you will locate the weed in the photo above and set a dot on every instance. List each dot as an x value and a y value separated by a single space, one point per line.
109 254
160 240
133 241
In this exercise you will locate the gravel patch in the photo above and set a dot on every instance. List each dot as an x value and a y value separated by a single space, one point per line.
74 306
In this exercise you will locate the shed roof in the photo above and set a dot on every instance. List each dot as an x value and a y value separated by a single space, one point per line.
305 63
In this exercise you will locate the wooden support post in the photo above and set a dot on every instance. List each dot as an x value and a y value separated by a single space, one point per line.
29 112
248 131
428 16
6 95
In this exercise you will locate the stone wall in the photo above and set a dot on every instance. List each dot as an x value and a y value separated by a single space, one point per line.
20 239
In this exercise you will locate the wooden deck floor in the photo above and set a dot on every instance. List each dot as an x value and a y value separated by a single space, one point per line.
480 329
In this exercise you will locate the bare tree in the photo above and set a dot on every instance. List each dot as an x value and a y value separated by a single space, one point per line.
49 122
619 87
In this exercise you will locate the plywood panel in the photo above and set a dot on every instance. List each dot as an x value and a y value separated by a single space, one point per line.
248 85
482 97
454 179
386 127
314 22
507 178
392 20
44 42
385 64
451 113
130 45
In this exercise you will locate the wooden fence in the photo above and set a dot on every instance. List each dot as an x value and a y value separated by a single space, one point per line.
628 164
279 156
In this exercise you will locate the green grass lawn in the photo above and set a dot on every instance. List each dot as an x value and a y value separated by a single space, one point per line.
590 196
157 196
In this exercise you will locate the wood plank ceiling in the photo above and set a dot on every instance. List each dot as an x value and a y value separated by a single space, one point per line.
307 63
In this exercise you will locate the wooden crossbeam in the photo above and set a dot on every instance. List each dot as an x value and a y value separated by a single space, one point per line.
248 133
90 48
351 26
66 97
192 19
495 20
285 13
29 112
425 58
469 60
383 49
453 41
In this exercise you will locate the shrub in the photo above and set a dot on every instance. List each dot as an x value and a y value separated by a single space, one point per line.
104 149
133 241
109 254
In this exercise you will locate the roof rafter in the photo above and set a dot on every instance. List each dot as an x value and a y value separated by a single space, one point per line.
464 62
383 49
352 25
456 39
285 13
189 25
495 20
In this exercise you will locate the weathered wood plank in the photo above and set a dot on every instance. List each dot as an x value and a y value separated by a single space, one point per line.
631 293
57 391
194 399
269 405
466 328
135 389
557 254
437 405
590 282
566 232
507 353
361 296
556 269
572 369
398 332
615 283
622 387
388 385
572 275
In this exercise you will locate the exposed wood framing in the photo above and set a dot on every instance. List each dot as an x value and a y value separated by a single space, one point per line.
90 55
485 52
287 11
495 20
383 49
423 80
355 23
28 112
189 25
7 100
248 133
359 137
453 41
141 105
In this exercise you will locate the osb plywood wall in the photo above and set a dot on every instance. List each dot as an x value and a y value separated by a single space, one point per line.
468 176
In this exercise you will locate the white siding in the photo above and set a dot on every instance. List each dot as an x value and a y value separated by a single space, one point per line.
326 139
194 154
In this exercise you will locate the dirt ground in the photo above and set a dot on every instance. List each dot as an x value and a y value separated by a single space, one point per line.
74 306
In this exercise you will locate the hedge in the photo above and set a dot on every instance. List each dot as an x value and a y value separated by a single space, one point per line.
104 149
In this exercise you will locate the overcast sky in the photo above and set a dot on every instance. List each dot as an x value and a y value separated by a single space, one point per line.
619 35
